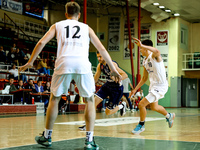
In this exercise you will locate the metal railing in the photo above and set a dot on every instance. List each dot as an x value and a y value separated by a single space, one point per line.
16 26
26 30
6 68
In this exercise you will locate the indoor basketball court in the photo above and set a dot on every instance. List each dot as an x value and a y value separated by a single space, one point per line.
174 28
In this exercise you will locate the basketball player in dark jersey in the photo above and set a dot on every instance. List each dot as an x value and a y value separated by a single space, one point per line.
111 88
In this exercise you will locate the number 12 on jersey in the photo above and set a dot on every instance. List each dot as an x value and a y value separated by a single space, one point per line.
75 34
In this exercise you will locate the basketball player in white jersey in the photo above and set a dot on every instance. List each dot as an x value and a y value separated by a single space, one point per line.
72 62
154 66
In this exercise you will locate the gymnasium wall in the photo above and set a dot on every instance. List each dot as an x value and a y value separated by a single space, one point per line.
183 49
194 38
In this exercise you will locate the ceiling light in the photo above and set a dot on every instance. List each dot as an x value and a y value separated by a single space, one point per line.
156 4
176 14
168 10
161 6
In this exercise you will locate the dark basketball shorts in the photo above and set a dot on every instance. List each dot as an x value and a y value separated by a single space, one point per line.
113 90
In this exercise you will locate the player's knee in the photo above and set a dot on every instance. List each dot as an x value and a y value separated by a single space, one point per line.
89 99
140 105
55 99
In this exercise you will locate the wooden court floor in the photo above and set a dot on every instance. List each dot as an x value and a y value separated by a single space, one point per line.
16 131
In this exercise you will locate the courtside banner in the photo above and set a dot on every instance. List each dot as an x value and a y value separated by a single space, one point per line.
145 34
114 34
126 39
162 38
11 6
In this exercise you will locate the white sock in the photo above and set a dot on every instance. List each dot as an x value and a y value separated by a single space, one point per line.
89 136
167 116
120 106
47 133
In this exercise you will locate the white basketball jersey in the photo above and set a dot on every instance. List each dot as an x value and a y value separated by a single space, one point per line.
156 71
72 47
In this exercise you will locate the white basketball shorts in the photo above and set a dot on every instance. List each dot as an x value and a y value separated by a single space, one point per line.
84 82
156 92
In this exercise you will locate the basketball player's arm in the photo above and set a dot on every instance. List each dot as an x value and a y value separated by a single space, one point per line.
39 46
121 72
142 81
97 74
156 52
96 42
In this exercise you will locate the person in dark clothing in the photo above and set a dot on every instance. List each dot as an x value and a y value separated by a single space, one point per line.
12 56
47 87
20 85
3 57
12 86
8 87
20 57
19 95
31 86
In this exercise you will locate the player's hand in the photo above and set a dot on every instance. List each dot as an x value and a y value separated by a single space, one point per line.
116 76
132 93
24 67
113 78
138 42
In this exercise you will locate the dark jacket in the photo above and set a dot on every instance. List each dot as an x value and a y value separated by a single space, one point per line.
3 57
18 86
47 89
30 87
12 87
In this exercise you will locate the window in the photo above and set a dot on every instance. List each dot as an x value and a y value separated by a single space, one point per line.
184 37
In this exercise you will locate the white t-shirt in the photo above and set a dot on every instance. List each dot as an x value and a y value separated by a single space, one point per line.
14 72
73 48
39 89
125 83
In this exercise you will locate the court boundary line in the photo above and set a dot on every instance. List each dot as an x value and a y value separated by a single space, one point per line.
105 137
